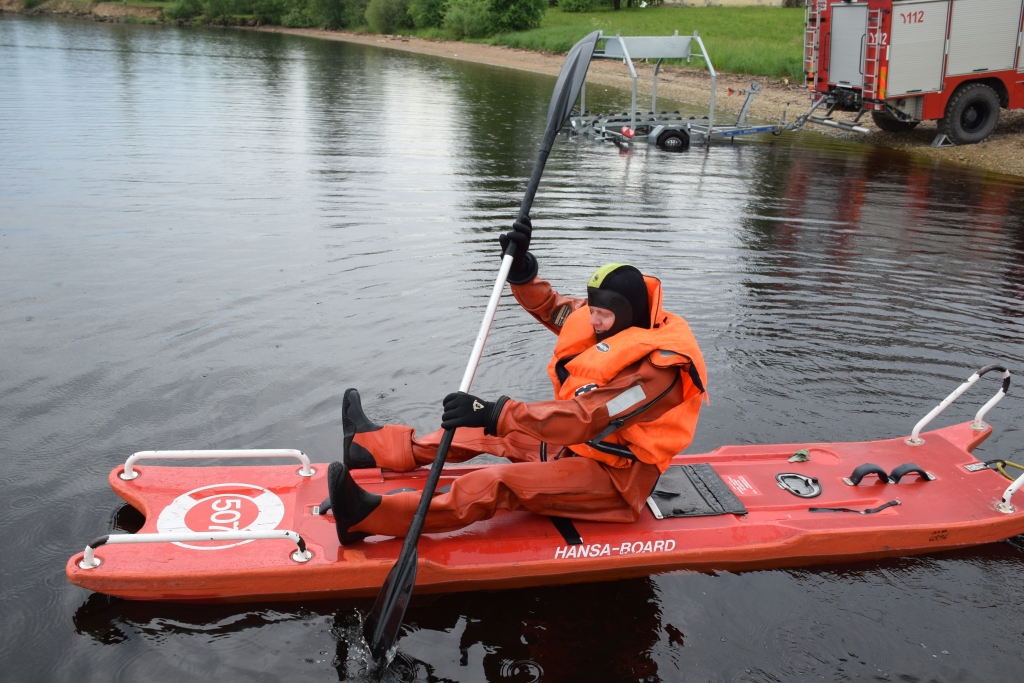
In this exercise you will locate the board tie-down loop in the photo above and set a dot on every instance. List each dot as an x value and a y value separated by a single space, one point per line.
870 511
892 478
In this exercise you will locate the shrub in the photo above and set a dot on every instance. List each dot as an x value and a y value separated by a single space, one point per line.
184 9
331 13
355 12
269 11
516 15
388 16
298 18
338 13
576 5
219 9
468 18
427 13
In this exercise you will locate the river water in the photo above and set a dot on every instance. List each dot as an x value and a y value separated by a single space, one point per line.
206 236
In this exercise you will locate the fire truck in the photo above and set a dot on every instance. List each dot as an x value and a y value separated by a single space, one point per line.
907 61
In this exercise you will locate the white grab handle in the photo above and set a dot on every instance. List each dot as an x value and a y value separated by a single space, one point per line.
916 440
130 473
1004 504
90 561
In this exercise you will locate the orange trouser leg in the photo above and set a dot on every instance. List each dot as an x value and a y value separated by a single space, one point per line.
579 488
395 447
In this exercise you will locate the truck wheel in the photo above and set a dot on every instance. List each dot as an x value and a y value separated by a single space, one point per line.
971 115
891 124
674 140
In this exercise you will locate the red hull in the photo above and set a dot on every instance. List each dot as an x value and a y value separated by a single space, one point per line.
516 549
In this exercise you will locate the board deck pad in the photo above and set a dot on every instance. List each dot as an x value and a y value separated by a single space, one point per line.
694 491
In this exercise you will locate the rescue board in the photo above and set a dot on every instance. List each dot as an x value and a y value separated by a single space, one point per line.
957 508
775 511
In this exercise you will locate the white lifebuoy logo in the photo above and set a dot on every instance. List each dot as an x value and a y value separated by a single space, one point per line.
221 507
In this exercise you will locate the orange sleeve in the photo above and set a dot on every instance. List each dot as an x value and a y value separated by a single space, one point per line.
545 304
580 419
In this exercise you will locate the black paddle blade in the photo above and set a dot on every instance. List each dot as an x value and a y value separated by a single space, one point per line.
385 619
570 80
563 97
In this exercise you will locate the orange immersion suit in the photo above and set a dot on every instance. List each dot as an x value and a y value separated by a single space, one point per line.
600 389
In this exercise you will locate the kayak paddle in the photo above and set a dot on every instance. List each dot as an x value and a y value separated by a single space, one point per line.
385 619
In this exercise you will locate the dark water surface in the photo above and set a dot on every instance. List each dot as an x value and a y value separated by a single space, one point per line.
206 236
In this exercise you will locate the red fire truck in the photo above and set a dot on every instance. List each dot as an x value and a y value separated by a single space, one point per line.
907 61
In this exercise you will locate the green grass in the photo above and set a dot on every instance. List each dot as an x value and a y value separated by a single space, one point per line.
761 41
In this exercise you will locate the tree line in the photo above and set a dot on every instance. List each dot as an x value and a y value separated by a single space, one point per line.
459 18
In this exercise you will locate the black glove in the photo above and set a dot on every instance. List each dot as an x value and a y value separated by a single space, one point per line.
524 265
466 410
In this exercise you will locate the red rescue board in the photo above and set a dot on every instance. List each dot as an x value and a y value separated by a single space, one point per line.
517 549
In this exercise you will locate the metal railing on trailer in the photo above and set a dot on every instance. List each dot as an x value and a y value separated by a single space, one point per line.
670 130
665 126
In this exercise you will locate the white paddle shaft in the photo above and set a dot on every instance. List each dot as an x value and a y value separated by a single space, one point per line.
485 324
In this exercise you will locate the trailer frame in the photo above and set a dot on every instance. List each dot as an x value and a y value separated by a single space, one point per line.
662 128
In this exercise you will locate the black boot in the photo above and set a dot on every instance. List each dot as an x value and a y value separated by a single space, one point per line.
354 421
349 503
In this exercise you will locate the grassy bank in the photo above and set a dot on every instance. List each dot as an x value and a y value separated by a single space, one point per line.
761 41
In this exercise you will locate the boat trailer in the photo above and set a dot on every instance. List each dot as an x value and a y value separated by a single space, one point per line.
672 131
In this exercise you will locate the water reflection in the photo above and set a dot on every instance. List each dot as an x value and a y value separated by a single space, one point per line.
551 632
832 622
112 620
515 636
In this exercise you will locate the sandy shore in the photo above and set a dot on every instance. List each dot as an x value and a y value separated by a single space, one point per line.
100 11
1003 152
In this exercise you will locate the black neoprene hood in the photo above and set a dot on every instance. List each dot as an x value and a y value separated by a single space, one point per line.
620 288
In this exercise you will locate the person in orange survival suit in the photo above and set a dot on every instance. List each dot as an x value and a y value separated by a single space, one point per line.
629 380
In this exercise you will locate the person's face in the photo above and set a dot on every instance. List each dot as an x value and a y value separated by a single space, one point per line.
601 319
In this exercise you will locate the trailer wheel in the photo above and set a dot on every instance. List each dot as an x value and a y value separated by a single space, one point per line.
971 114
674 140
891 124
